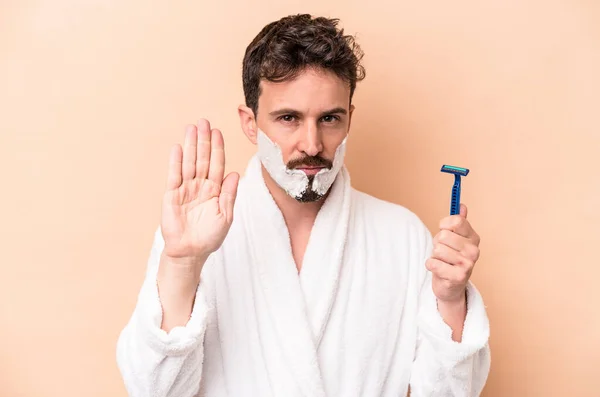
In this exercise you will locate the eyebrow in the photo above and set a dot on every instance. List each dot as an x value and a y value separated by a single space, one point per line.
280 112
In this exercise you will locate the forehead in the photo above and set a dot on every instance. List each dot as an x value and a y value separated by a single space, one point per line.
311 90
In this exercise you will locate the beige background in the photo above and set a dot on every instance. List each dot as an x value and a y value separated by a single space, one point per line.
93 94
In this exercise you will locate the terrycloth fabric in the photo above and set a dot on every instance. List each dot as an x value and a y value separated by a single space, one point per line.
359 320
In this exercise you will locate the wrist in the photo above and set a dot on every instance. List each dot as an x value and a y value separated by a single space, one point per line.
456 304
454 313
181 270
183 264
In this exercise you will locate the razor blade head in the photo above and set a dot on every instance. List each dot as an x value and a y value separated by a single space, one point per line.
450 169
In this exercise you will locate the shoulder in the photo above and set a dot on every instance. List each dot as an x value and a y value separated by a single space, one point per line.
385 215
385 210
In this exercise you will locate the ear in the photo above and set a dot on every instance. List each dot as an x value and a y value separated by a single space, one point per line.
350 117
248 123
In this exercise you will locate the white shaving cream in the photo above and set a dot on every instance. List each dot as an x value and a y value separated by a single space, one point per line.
295 182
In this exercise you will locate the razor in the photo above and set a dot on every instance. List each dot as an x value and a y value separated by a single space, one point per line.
457 172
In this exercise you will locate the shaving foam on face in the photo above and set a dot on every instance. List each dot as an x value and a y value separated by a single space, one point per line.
325 177
296 182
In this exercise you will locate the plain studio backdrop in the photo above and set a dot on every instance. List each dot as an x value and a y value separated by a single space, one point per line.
94 93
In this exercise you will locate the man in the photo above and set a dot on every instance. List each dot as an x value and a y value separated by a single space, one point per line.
294 283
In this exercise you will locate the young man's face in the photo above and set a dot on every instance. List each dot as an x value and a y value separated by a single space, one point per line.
307 118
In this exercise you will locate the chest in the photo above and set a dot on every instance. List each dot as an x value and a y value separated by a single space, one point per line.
299 242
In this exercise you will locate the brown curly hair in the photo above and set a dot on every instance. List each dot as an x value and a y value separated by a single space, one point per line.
284 48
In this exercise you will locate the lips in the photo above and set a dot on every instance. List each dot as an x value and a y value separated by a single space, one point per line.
310 170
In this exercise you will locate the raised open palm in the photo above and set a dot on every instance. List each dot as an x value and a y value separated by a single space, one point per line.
197 208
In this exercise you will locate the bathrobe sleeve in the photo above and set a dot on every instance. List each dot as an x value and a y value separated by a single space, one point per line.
443 367
153 362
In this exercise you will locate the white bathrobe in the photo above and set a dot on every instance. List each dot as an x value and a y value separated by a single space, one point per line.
360 319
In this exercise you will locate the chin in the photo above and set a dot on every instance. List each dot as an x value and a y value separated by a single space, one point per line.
309 196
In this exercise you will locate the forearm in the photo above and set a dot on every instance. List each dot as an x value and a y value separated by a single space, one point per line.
153 362
177 282
454 314
444 365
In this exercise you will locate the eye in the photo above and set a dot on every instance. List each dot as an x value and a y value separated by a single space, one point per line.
330 118
288 118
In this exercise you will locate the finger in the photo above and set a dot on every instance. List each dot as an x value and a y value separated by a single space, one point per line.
174 177
457 224
463 211
445 271
203 155
228 195
465 247
217 158
189 153
452 257
451 239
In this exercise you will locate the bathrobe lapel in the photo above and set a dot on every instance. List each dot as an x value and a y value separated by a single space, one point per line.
299 306
324 256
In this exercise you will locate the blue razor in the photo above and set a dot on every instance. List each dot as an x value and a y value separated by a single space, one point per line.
458 172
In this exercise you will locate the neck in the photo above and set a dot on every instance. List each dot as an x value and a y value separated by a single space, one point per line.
295 213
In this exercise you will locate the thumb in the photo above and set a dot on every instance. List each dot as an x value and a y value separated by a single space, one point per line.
228 195
463 211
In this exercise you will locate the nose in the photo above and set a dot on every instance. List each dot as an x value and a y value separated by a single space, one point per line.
312 143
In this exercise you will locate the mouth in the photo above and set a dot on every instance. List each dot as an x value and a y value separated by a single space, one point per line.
310 170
